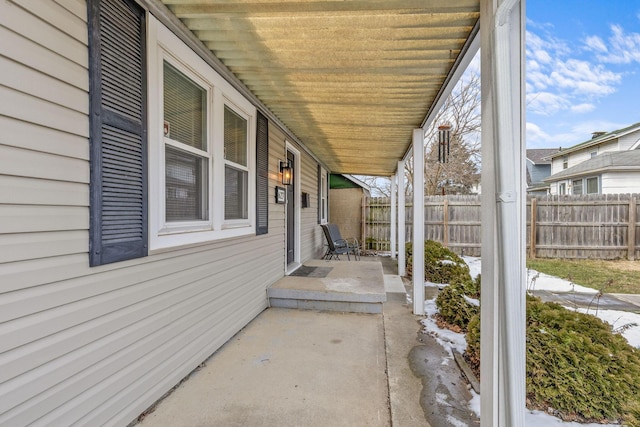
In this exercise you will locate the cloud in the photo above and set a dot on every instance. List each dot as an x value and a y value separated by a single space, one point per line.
595 44
583 108
538 138
560 78
623 48
569 136
546 103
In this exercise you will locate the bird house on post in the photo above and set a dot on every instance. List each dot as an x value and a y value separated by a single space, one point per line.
444 141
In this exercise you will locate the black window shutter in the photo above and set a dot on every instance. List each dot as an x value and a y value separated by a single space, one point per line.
328 176
319 194
262 175
118 136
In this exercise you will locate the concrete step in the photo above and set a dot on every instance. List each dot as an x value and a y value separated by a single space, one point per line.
349 286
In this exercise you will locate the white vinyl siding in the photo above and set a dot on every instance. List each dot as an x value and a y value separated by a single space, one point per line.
100 345
628 141
310 231
622 182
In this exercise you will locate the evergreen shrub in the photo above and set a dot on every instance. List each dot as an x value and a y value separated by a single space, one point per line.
576 365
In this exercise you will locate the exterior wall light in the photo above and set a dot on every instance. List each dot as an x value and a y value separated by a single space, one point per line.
287 172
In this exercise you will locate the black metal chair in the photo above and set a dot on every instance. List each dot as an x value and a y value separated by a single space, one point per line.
337 246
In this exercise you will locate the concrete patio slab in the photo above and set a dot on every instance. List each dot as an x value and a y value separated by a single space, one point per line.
288 368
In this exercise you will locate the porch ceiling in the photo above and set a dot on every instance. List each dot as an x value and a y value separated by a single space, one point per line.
351 79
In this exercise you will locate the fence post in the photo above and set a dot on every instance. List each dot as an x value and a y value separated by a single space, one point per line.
365 203
445 222
631 240
532 229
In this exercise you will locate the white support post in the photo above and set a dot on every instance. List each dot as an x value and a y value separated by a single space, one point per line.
418 221
392 240
502 345
402 270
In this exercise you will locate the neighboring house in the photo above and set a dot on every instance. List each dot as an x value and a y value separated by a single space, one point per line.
607 163
538 168
607 173
345 208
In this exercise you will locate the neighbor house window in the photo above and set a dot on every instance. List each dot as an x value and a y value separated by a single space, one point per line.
593 154
565 162
592 185
576 187
562 188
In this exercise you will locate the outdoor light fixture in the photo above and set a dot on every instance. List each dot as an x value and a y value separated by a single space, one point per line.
287 172
444 140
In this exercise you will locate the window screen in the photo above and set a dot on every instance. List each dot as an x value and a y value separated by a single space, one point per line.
235 193
235 137
186 172
236 173
185 108
592 185
185 183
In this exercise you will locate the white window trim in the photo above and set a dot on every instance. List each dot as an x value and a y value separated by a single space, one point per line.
162 43
297 193
324 196
586 184
249 168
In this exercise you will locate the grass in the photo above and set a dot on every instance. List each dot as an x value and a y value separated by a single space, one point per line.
625 275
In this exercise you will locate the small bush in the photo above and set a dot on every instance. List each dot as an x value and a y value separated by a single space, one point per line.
454 308
441 265
575 364
444 266
472 353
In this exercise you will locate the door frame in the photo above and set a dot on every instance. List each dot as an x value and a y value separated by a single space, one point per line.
297 192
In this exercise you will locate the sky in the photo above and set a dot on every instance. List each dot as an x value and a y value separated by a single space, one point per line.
583 69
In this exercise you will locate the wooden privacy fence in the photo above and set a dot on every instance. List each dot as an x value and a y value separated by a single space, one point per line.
601 226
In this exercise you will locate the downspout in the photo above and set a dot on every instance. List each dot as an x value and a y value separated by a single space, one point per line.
392 240
509 277
417 264
401 221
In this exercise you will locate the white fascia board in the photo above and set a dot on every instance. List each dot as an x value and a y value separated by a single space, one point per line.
463 60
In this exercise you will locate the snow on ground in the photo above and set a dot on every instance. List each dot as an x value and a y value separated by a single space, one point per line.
535 418
446 338
535 281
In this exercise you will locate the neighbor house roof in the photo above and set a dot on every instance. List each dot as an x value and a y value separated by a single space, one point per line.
620 161
609 136
350 79
540 156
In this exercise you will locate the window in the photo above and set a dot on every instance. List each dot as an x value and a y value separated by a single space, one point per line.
186 155
172 142
236 171
577 187
323 196
565 162
562 188
592 185
202 138
593 154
